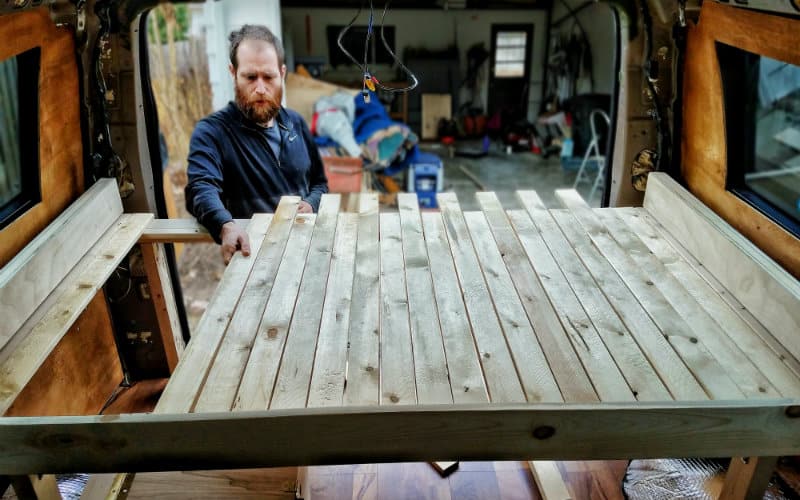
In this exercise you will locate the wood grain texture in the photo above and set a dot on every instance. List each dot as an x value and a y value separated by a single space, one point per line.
661 355
258 379
498 364
768 291
363 356
748 478
294 374
466 376
573 347
223 380
160 286
704 157
567 272
744 372
191 372
345 435
29 277
249 484
710 373
80 374
430 362
549 481
179 231
60 146
329 376
398 381
91 273
733 325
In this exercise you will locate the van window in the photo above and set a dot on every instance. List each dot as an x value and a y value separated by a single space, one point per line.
19 135
762 119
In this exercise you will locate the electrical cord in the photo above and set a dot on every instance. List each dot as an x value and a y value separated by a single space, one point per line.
370 82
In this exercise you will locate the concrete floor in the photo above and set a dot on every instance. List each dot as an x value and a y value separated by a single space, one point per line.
506 173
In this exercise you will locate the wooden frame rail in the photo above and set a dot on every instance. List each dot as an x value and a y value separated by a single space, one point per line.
322 436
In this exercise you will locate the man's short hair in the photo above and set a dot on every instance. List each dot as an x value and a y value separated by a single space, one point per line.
254 32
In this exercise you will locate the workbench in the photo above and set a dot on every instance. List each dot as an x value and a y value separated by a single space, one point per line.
573 333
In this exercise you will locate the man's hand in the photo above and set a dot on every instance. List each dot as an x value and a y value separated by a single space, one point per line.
233 238
304 208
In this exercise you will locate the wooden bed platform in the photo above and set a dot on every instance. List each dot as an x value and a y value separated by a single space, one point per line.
524 334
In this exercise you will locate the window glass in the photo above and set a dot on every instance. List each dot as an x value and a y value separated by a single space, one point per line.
762 121
10 167
509 55
19 135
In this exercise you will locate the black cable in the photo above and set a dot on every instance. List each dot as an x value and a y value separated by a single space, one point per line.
365 66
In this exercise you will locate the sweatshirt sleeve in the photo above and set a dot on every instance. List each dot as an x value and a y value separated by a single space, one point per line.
317 182
204 190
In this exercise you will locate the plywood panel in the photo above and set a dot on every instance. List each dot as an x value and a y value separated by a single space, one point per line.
704 142
60 148
434 108
80 375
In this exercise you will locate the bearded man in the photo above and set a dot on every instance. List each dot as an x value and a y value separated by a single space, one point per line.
244 157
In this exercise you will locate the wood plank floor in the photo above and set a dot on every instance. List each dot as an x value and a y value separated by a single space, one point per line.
478 480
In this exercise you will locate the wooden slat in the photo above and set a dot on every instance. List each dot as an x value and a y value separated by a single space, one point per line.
160 288
430 362
498 366
732 324
396 433
294 374
548 479
398 383
707 370
574 333
574 246
758 282
32 275
179 231
35 487
566 272
229 363
363 356
329 376
748 478
544 364
255 390
466 377
95 268
181 393
783 354
741 370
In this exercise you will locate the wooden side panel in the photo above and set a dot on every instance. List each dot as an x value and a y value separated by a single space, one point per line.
60 148
704 143
80 374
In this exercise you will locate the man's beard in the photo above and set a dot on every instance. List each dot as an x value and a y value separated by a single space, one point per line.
260 113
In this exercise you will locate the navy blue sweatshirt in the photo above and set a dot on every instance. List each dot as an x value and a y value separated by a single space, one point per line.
233 173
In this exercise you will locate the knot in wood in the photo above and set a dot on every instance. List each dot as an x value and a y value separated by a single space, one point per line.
793 411
544 432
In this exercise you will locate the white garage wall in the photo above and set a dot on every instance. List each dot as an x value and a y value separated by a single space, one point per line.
598 21
432 29
217 19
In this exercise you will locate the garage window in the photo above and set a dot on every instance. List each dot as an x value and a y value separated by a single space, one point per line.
509 60
19 135
762 117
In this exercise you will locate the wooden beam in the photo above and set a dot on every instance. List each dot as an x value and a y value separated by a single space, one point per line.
46 260
160 284
549 480
323 436
179 231
36 487
91 273
748 477
760 284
